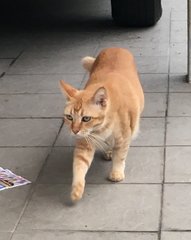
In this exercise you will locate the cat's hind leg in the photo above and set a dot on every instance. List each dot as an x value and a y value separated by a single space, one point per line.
108 151
119 154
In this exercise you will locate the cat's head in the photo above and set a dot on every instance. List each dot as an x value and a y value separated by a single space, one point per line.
85 110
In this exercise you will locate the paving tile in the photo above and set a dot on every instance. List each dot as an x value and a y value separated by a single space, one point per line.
158 33
177 212
66 49
26 162
177 131
48 65
11 205
176 236
10 49
178 15
178 59
178 84
139 209
140 167
177 166
11 84
155 105
179 32
28 132
65 138
154 82
151 132
5 236
179 104
32 105
35 235
4 65
152 64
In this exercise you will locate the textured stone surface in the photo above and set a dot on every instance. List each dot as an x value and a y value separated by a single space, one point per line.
178 166
12 203
151 132
139 208
177 211
26 162
176 236
154 82
5 236
179 104
28 132
177 131
12 84
143 165
155 105
35 235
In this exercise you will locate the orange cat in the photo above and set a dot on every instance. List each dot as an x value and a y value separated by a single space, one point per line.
105 113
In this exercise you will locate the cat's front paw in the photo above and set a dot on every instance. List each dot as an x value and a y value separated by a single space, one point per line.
116 176
77 192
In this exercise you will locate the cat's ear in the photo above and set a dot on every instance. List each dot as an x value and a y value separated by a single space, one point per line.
68 90
100 97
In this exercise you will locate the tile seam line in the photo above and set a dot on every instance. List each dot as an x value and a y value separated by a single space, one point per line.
165 135
85 231
31 191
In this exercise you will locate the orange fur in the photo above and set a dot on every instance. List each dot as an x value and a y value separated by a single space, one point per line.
112 102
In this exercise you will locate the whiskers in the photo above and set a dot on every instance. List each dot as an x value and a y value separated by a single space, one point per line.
97 141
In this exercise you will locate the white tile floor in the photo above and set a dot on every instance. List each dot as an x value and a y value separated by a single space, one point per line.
153 202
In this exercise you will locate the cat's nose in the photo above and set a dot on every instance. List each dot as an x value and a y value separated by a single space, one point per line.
75 130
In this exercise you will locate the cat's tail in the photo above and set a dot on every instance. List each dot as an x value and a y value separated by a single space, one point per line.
88 62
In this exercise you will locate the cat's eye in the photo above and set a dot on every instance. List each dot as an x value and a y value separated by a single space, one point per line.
86 119
69 117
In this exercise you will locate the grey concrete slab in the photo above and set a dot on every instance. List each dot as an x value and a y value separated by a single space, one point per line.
154 82
179 104
178 131
32 105
14 84
26 162
10 49
5 236
177 212
158 33
155 105
67 48
28 132
139 208
176 235
4 65
37 235
143 165
178 15
178 84
178 59
152 64
65 137
177 166
12 202
48 65
151 132
178 32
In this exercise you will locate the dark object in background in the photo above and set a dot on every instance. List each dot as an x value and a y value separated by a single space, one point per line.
136 13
